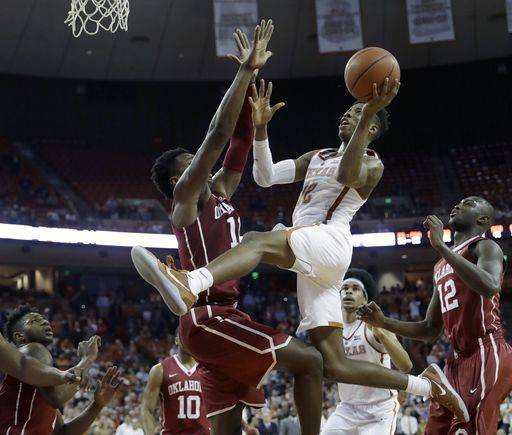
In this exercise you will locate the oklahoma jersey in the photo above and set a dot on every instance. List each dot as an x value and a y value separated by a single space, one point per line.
214 232
23 410
469 318
181 400
324 198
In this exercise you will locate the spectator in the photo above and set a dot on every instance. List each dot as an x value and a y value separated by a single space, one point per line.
409 423
290 425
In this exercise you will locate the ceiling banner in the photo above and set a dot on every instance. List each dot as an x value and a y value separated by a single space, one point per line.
229 15
430 21
338 25
509 15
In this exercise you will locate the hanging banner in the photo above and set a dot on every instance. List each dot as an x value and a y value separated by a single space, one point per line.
338 25
430 21
230 15
509 15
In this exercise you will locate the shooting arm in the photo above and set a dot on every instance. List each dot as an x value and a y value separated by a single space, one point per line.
484 277
150 398
80 424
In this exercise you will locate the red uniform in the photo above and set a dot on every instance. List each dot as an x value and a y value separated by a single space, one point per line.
23 410
181 400
480 368
235 353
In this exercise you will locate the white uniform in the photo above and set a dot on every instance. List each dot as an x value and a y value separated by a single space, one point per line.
363 410
321 241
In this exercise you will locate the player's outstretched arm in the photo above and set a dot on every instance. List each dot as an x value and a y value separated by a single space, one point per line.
394 348
150 399
484 277
58 396
266 173
351 171
427 329
104 393
29 370
194 180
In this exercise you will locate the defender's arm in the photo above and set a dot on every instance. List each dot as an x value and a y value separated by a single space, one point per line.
150 399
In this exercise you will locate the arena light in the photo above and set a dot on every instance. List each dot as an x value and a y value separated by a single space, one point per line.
87 237
371 240
497 231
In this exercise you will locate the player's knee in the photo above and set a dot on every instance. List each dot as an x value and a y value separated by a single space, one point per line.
336 371
251 237
313 362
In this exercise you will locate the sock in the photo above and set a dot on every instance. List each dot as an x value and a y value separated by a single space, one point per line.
199 280
418 386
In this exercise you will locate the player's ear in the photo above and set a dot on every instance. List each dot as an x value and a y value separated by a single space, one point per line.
483 221
173 180
18 337
373 129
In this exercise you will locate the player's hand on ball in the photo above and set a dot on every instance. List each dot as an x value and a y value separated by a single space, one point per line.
382 100
107 387
371 314
435 228
256 55
262 112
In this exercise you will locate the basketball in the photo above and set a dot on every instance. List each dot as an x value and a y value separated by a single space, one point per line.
367 66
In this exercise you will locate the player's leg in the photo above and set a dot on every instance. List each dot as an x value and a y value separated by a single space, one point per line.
338 367
255 248
229 422
305 363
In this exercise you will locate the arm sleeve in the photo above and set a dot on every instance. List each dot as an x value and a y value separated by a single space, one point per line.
266 173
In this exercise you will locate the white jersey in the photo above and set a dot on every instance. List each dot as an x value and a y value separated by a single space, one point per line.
360 344
323 198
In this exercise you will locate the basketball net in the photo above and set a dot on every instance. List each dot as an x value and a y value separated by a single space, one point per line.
90 16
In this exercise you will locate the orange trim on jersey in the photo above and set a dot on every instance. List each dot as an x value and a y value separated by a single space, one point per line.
336 203
335 325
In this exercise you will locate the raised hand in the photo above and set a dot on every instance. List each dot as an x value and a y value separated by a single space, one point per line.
253 56
371 314
379 101
89 349
262 112
435 228
107 387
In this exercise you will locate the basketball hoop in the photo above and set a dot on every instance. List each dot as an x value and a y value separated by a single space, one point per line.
90 16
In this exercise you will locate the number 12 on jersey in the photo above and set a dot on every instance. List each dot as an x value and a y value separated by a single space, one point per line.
447 296
234 229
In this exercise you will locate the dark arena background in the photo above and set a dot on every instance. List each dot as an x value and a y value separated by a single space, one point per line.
82 120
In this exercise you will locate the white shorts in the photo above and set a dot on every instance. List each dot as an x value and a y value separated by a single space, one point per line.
373 419
323 254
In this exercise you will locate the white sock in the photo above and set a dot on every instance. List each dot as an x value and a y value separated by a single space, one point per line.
199 280
418 386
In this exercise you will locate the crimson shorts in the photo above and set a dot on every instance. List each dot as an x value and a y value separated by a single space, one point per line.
483 379
235 355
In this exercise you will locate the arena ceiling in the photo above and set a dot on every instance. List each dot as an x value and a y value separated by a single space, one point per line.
174 40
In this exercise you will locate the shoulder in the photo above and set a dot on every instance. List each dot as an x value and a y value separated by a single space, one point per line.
486 247
37 351
156 375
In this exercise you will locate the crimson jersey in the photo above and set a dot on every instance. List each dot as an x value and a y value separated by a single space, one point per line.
181 400
469 318
214 232
23 410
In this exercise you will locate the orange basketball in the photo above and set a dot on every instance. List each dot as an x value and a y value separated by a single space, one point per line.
367 66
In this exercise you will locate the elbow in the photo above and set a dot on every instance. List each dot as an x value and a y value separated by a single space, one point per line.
219 132
494 288
260 179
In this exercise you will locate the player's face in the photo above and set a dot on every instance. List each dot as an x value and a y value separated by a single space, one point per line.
36 329
467 213
352 296
181 163
348 122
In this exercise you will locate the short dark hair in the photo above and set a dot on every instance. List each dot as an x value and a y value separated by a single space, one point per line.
383 117
14 317
163 169
369 283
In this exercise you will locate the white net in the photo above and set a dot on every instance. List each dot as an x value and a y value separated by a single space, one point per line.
90 16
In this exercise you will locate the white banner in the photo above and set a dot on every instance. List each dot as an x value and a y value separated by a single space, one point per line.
229 15
430 21
509 15
338 25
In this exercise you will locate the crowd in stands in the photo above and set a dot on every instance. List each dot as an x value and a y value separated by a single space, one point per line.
137 331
